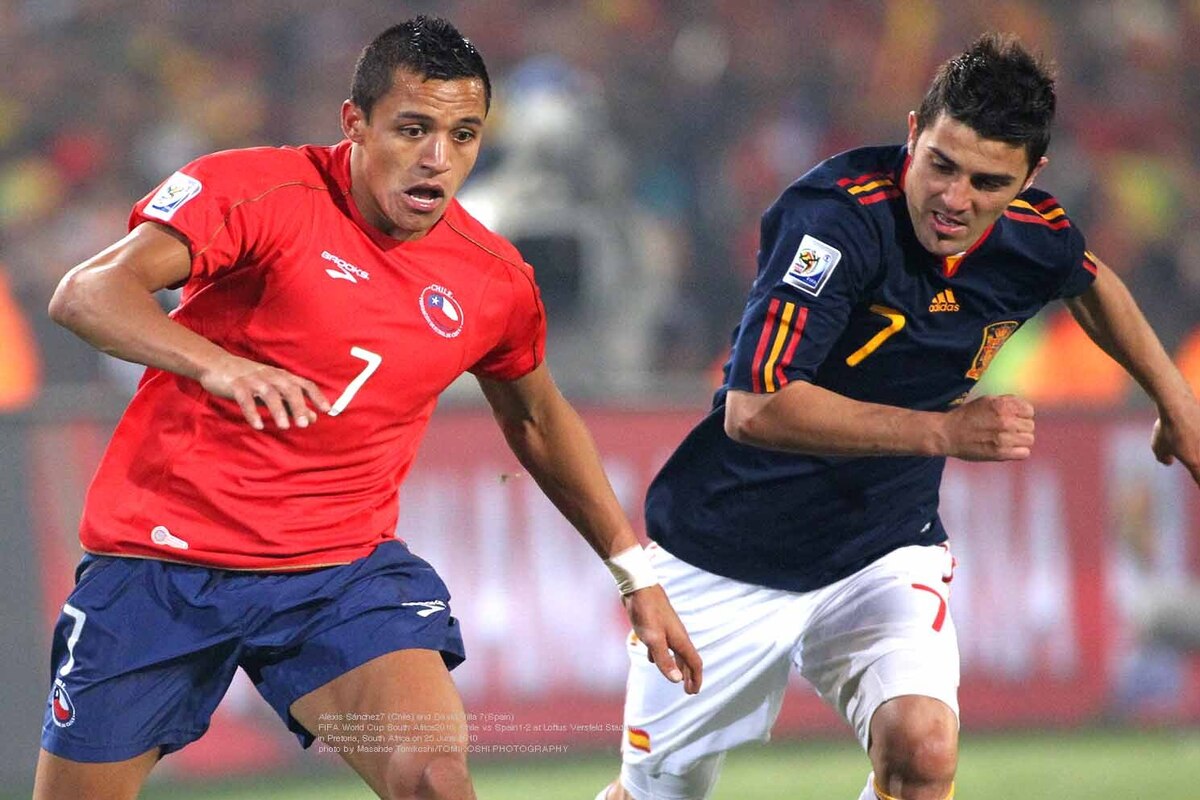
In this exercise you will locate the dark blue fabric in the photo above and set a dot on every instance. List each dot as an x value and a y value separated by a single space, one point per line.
800 522
161 642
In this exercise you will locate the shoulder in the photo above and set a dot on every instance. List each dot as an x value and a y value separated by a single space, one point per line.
251 172
1036 223
866 176
1037 213
844 197
207 191
852 186
479 244
1036 229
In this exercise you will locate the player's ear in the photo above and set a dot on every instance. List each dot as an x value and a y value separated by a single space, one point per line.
912 131
1042 162
354 122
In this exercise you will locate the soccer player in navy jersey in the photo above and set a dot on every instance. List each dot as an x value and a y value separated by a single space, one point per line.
245 511
797 524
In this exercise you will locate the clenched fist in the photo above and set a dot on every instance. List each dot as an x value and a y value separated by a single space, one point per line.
990 428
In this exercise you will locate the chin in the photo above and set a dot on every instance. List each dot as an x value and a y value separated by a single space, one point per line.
949 247
936 246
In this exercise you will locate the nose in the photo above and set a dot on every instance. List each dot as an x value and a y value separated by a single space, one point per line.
436 155
957 194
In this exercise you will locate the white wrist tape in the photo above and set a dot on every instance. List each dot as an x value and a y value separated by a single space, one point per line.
631 569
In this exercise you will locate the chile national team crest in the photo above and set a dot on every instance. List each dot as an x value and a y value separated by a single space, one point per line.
62 710
442 311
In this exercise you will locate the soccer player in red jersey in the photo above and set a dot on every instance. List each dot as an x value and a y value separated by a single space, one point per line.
245 511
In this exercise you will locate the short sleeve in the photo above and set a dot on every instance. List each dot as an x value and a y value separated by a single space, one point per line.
1080 266
817 254
522 343
205 203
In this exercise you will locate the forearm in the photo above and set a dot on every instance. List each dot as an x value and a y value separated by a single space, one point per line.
804 418
1112 319
109 309
556 449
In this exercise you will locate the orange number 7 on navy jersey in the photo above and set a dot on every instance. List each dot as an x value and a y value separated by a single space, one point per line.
895 325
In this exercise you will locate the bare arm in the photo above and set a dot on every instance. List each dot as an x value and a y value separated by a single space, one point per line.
552 443
805 418
108 301
1112 319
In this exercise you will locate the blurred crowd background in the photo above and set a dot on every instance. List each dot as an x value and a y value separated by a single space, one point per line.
632 147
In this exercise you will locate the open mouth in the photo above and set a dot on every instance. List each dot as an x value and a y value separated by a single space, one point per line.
424 197
947 226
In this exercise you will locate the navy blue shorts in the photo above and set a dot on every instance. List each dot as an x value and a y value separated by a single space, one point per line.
144 650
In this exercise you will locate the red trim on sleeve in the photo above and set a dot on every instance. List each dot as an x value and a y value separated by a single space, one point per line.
794 340
888 193
1037 220
1089 264
764 342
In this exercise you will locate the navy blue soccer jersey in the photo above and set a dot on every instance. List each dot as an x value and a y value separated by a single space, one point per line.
846 298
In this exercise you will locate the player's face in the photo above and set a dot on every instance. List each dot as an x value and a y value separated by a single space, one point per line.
414 153
959 183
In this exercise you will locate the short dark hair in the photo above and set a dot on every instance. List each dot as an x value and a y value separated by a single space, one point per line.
428 46
999 90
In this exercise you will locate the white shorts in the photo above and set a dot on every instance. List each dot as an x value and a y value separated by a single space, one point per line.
880 633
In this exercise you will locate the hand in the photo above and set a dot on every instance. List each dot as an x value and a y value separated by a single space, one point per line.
1178 436
667 644
990 428
245 382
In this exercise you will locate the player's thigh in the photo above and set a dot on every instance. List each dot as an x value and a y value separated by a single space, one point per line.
745 634
138 663
327 623
882 633
59 778
395 719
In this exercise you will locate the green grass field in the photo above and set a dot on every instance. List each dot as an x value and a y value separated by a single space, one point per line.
1096 765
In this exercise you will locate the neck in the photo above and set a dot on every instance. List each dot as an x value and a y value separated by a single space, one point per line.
361 196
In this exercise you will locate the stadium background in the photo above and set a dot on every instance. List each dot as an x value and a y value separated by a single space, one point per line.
632 146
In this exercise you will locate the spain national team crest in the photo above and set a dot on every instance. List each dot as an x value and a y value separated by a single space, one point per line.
62 710
994 337
442 311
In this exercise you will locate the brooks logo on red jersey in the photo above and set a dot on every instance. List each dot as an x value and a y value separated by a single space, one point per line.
441 311
61 707
345 270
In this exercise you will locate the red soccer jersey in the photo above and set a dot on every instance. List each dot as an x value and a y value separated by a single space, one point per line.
286 271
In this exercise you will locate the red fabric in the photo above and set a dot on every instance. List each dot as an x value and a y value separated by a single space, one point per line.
286 272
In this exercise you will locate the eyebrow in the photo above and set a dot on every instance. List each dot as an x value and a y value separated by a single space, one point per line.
999 177
416 116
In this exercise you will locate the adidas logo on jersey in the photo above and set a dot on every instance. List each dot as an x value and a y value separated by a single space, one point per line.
944 301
